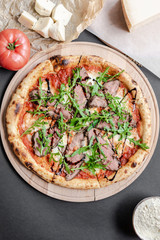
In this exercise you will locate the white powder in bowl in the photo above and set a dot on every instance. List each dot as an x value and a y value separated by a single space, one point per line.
146 219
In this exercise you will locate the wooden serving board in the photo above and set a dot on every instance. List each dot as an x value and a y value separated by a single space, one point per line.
80 48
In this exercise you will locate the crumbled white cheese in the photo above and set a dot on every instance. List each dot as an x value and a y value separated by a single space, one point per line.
147 219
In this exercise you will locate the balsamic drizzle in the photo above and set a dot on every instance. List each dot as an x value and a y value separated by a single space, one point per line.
112 177
134 97
79 60
48 85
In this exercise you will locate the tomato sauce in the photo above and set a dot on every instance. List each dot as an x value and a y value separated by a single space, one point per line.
127 154
28 106
56 79
85 175
93 68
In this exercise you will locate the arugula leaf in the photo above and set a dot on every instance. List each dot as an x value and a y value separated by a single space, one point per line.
80 150
138 143
66 166
52 157
93 124
44 141
37 123
102 76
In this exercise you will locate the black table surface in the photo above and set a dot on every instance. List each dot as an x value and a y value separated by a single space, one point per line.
26 213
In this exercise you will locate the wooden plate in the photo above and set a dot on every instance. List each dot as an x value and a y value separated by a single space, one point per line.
80 48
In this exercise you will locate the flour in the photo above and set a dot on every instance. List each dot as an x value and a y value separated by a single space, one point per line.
147 219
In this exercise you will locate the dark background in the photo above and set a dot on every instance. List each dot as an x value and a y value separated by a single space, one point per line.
26 213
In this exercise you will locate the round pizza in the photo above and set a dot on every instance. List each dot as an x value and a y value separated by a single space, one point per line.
79 122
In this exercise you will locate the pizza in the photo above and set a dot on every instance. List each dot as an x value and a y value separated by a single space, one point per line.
79 122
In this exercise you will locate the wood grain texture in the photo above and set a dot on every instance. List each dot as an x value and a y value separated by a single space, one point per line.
80 48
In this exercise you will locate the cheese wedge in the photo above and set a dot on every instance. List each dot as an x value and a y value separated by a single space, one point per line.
42 26
44 7
140 12
27 20
57 31
61 14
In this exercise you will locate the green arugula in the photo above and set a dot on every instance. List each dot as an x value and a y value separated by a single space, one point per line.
44 141
139 143
38 123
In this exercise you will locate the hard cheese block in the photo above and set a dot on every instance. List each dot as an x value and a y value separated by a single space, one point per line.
42 26
27 20
44 7
61 14
57 31
139 12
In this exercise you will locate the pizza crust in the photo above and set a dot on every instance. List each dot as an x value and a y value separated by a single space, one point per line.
77 183
28 161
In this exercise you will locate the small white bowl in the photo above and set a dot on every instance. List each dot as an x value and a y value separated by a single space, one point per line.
144 206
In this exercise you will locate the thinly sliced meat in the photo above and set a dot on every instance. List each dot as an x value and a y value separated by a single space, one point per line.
103 125
111 87
91 134
51 104
35 95
127 118
55 112
111 161
74 173
83 73
86 89
133 123
55 138
50 112
73 146
37 146
66 114
80 96
96 101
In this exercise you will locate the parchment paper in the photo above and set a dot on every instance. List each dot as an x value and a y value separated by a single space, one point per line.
84 11
143 44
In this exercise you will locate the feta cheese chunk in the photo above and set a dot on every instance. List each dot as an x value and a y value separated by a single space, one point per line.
44 7
57 31
42 26
61 14
27 20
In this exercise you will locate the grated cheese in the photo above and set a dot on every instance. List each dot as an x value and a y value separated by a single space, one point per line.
147 219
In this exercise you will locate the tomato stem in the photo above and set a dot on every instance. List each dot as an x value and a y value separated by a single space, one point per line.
12 46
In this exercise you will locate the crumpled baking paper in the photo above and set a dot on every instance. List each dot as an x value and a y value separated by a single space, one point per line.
84 11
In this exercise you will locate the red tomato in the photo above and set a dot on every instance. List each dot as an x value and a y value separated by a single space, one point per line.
14 49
